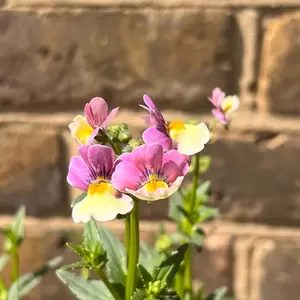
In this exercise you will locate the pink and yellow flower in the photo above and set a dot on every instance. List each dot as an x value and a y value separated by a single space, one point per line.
224 106
150 174
91 172
188 139
84 129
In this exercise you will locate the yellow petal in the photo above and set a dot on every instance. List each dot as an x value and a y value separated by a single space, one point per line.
161 191
81 130
192 139
230 104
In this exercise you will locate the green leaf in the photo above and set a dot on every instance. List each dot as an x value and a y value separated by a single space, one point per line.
92 239
77 265
204 163
27 282
140 295
218 294
116 255
203 192
206 212
175 201
166 271
3 261
78 199
84 289
144 275
78 249
17 225
149 256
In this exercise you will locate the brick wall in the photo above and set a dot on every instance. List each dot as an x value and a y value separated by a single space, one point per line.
57 54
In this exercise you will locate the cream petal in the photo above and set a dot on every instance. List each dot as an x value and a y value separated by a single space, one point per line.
102 207
193 138
232 102
160 193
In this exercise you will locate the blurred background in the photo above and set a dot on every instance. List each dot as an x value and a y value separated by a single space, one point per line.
55 55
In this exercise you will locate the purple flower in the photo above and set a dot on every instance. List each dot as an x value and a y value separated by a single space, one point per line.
224 106
84 129
91 172
188 139
150 174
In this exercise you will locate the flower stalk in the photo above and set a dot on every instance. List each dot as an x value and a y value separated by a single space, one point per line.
134 246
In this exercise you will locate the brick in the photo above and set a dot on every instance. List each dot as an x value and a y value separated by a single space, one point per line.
59 59
30 173
256 181
275 270
242 255
214 265
248 21
157 3
278 69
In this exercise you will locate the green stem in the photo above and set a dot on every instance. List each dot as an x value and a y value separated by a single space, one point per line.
108 284
133 251
15 266
179 282
188 255
85 273
114 146
127 236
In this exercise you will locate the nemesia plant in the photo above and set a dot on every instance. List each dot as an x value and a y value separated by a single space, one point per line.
115 172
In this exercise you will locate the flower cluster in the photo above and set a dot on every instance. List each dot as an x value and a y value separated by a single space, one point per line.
151 171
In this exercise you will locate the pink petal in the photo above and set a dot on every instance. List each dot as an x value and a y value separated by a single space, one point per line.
180 160
126 176
110 117
217 97
220 116
101 159
147 157
94 133
149 102
79 174
153 136
96 111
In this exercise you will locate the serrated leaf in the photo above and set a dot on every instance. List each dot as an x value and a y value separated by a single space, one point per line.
175 201
78 199
77 265
144 275
3 261
204 163
92 239
166 271
149 256
84 289
203 191
17 225
27 282
218 294
206 213
116 254
77 249
140 295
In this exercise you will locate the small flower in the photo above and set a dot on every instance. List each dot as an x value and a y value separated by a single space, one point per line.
91 172
84 129
150 174
224 106
188 139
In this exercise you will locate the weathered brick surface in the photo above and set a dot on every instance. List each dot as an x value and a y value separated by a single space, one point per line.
61 59
275 270
279 89
30 172
257 182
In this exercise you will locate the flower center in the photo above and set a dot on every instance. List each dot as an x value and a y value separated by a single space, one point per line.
175 128
155 184
227 104
100 188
